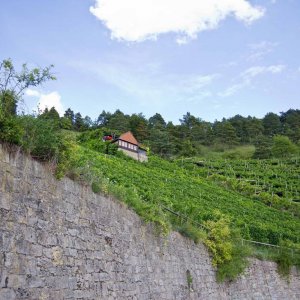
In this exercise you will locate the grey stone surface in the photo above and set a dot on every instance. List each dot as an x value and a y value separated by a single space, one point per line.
58 240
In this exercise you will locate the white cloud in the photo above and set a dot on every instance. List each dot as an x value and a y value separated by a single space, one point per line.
232 89
257 70
50 100
246 78
47 100
138 20
32 93
149 84
261 49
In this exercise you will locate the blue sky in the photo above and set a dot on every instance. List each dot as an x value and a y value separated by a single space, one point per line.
212 58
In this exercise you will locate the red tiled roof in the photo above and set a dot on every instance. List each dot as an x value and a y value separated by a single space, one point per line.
128 137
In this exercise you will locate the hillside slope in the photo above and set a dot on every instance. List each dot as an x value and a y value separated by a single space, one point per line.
160 182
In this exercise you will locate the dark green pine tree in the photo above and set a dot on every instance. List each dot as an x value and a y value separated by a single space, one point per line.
69 114
272 125
79 123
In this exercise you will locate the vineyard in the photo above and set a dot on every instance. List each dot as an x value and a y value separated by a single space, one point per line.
274 182
187 191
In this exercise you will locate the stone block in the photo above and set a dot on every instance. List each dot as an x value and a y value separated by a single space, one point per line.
7 294
36 250
5 200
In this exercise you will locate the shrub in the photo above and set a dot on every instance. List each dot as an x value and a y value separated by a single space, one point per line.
40 138
231 269
284 262
283 147
191 232
218 239
96 188
243 152
10 130
189 279
228 254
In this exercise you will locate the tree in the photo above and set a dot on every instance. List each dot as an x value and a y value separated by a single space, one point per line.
263 145
254 128
283 147
69 114
157 121
65 123
103 119
79 123
88 122
272 124
291 124
201 132
225 133
8 104
188 120
13 84
138 126
118 121
51 114
159 142
247 129
239 123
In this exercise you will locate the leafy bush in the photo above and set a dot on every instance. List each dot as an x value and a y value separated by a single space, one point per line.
218 239
283 146
40 137
10 130
228 254
231 269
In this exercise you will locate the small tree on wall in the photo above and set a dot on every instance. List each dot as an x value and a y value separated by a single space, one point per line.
13 84
12 87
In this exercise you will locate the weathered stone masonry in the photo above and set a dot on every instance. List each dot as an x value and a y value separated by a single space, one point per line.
58 240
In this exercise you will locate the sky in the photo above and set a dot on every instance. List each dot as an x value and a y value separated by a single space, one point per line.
213 58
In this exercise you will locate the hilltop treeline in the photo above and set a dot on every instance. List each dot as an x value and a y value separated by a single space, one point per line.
189 137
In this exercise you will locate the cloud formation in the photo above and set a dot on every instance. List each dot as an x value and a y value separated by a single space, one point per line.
47 100
246 78
149 85
139 20
257 70
260 50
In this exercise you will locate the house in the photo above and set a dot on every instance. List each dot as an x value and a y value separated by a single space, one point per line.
128 144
